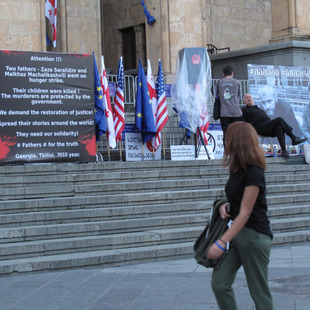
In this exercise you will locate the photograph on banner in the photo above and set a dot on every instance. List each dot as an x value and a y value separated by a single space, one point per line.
47 107
134 150
283 91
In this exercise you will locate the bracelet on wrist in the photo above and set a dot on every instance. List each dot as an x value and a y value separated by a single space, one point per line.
223 241
219 246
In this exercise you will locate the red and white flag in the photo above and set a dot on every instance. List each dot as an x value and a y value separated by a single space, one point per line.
119 107
51 14
153 95
162 110
204 123
107 106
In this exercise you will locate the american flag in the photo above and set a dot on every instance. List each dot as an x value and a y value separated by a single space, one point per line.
118 108
162 110
51 14
153 96
107 106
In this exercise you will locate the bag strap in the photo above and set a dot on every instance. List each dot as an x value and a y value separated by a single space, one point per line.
217 90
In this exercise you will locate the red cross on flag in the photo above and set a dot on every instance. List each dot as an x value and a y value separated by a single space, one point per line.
51 14
153 97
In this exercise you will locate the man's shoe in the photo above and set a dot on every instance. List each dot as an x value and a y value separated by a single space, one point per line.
298 140
285 154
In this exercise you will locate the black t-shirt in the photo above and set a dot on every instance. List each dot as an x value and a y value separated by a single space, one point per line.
234 191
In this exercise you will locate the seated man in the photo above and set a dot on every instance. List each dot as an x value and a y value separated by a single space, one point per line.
267 127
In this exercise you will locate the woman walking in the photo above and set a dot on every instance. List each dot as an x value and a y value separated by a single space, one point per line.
250 235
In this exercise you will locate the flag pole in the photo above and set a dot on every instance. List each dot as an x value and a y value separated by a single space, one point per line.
109 155
164 150
120 151
142 152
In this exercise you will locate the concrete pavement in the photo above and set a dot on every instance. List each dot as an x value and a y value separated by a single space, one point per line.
162 285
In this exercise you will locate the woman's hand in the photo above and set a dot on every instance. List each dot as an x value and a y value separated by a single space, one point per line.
214 251
223 210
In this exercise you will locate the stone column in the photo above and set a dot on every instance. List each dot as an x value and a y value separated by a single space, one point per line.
290 20
62 19
43 25
165 36
140 44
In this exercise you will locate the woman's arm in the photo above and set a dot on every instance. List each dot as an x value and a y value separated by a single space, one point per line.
247 204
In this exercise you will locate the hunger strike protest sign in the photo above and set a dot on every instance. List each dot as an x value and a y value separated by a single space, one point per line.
46 107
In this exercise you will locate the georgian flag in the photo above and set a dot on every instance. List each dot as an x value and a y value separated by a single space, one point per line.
51 14
107 106
153 97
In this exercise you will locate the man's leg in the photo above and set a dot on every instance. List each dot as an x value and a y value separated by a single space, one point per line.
288 130
276 128
225 122
279 133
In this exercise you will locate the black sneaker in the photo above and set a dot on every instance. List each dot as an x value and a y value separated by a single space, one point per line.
285 154
298 140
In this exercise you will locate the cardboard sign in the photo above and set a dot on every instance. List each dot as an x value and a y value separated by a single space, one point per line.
182 152
47 107
134 151
203 155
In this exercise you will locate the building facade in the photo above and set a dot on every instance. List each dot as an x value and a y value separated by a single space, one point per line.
117 28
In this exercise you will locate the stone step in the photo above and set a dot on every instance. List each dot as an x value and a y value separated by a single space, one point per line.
138 198
77 215
72 177
117 257
95 243
112 176
129 199
69 190
44 232
119 241
100 214
59 168
16 193
130 212
102 167
29 233
290 224
28 175
288 211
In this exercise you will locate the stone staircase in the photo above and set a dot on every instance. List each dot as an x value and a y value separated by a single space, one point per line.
55 216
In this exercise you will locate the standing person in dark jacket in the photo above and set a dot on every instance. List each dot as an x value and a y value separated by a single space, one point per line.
228 91
267 127
250 235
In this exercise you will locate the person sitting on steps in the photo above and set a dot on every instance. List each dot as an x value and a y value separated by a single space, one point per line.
267 127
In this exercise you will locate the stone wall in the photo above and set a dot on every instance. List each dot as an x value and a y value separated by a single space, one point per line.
290 20
22 26
186 23
239 24
118 15
82 24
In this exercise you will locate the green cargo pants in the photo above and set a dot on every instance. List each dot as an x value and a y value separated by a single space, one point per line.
251 250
